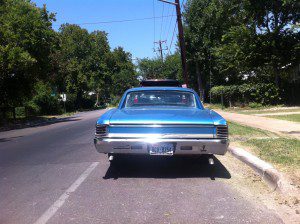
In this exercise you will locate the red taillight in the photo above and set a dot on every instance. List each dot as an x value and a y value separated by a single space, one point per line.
136 99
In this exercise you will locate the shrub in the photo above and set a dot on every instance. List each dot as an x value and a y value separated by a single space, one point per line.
261 94
115 100
255 105
43 102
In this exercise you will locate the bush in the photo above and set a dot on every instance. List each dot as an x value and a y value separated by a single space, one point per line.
43 102
255 105
246 94
32 108
20 112
115 100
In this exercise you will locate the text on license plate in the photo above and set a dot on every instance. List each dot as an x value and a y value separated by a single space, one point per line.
161 149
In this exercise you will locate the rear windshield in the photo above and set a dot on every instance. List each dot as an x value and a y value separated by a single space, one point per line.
160 98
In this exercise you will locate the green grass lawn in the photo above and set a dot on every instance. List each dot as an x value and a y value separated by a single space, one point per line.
248 110
280 151
263 111
236 129
288 117
266 145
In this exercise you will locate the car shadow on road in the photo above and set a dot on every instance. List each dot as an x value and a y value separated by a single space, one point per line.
166 167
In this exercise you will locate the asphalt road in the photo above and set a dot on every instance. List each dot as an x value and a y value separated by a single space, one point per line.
53 174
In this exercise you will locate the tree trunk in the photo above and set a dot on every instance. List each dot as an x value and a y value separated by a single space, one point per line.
199 81
277 77
97 99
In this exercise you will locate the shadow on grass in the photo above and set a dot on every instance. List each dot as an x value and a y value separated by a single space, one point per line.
165 167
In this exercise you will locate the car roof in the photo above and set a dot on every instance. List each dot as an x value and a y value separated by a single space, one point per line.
160 88
160 82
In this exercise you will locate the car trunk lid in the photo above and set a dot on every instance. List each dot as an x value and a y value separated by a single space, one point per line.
162 116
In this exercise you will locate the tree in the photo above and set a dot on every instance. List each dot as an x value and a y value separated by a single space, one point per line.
265 40
170 68
26 43
123 71
99 73
206 21
86 64
232 42
75 50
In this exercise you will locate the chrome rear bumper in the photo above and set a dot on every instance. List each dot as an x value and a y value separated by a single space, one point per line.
181 146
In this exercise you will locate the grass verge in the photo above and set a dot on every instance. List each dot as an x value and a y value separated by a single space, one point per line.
256 110
266 145
288 117
239 130
281 151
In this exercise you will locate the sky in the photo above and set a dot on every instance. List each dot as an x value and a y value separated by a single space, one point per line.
137 37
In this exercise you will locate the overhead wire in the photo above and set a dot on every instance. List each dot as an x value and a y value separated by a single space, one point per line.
154 36
170 24
181 6
120 21
162 20
172 38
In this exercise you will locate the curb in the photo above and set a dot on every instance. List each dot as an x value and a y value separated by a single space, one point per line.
268 173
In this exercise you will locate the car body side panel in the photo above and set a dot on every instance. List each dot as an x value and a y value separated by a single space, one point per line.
104 119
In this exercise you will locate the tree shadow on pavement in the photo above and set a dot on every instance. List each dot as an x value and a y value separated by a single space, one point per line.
9 139
37 123
165 167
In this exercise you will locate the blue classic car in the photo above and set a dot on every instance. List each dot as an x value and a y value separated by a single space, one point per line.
161 121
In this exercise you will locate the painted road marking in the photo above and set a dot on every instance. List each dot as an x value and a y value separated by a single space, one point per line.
61 200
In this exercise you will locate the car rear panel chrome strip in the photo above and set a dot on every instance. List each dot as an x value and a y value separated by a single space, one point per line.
140 145
137 135
162 125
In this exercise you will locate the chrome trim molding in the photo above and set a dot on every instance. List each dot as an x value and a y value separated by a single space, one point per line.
162 125
140 145
147 135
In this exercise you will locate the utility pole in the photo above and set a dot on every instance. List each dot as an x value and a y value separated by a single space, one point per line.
160 48
181 39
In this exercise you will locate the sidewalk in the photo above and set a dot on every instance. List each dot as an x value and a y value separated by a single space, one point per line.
274 125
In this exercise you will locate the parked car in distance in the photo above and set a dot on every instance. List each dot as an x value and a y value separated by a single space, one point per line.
158 120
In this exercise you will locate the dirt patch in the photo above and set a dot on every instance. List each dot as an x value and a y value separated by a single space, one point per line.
251 186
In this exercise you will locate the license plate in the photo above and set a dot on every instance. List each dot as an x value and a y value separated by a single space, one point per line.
161 149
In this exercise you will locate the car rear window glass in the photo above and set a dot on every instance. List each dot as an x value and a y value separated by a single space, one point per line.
160 98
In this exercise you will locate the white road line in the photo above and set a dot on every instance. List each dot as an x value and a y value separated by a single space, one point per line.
61 200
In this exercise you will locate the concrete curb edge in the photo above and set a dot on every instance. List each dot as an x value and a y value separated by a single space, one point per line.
267 172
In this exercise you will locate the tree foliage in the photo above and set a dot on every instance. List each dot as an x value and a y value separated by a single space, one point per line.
37 62
26 43
155 68
261 93
245 41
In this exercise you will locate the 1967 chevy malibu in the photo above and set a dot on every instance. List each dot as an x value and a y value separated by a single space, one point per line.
161 121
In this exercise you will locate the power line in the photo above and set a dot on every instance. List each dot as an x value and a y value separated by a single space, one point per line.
166 23
172 38
162 20
120 21
168 30
182 2
181 38
154 36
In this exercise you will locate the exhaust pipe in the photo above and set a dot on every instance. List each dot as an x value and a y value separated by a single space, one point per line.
211 161
110 158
